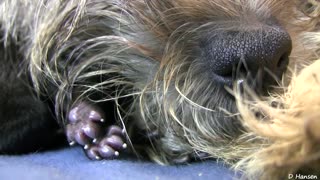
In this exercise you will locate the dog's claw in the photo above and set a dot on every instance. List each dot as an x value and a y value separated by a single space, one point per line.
72 143
86 147
116 153
97 157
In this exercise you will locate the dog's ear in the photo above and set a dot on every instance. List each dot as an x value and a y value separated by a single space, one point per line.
310 8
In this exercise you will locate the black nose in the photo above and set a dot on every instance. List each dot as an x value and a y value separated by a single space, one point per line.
261 56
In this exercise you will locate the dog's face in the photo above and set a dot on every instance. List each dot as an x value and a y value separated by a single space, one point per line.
204 48
207 47
182 59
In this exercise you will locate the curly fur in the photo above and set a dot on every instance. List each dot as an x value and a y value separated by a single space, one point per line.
288 142
145 51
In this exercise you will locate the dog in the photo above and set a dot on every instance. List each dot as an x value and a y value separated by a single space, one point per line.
158 78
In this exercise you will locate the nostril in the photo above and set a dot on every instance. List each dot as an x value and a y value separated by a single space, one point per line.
233 71
283 61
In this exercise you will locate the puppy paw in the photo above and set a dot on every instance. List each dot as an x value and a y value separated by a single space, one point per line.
108 146
88 127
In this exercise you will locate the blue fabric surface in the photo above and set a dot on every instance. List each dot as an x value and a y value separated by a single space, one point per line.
71 164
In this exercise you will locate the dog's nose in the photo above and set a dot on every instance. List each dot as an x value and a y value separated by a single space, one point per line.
258 56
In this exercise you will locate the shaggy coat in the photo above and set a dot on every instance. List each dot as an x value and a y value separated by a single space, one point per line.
143 60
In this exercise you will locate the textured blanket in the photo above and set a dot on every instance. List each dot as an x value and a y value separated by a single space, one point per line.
70 164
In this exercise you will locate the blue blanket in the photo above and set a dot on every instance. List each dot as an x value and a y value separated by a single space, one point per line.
70 163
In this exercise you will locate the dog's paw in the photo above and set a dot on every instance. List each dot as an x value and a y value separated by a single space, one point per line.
88 127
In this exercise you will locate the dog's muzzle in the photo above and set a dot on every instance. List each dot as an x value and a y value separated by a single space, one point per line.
257 57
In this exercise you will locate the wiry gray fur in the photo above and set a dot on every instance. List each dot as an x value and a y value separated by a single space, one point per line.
144 50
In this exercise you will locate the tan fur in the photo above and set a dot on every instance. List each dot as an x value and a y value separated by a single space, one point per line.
289 142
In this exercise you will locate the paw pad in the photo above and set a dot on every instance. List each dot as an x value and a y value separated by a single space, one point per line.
87 128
